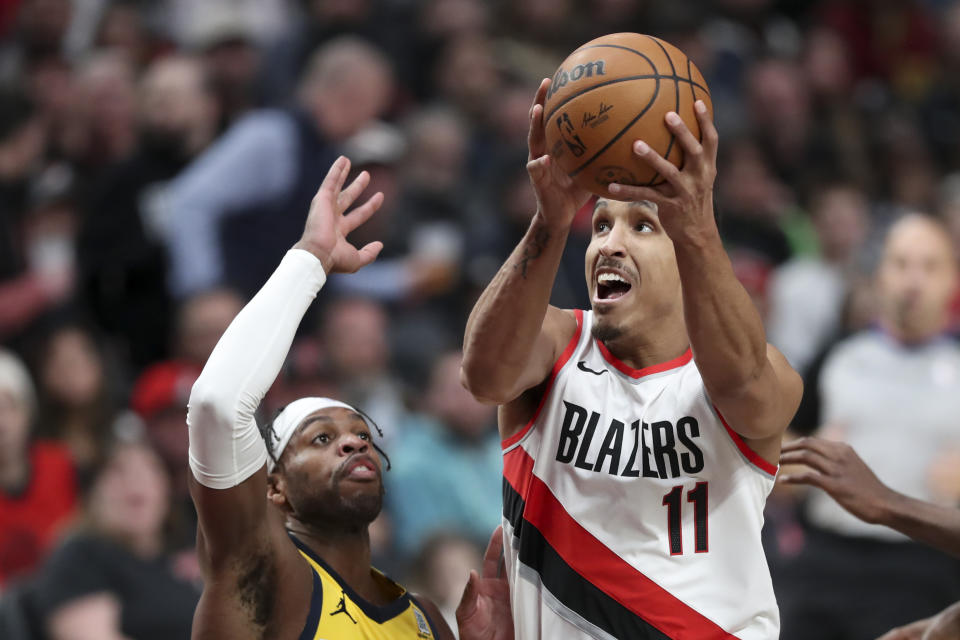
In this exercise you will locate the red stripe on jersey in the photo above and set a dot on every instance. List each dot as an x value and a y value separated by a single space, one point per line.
518 470
561 361
745 449
598 564
679 361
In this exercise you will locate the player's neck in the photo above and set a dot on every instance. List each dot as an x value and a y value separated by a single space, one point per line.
347 553
639 349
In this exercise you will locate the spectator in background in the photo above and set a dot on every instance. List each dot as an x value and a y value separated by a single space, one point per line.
948 208
265 170
438 23
200 322
26 289
940 112
434 170
122 258
75 403
808 292
432 213
41 27
160 396
51 85
38 490
357 347
319 21
224 40
467 75
840 133
440 568
406 271
752 203
780 111
114 578
102 127
456 437
906 166
122 27
901 57
890 393
551 25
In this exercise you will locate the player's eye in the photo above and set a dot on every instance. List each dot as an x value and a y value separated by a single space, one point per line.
644 227
364 436
601 226
322 438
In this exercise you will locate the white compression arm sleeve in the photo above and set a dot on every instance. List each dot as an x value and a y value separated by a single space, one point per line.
225 445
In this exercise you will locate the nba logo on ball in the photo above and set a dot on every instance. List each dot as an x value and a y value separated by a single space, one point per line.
611 92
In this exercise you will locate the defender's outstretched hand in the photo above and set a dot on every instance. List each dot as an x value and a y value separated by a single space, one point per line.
484 610
558 198
837 469
325 234
943 626
913 631
685 202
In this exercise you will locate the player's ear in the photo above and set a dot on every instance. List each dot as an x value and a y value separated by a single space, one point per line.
276 490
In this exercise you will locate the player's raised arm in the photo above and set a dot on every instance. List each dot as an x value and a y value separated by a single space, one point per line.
750 382
227 453
513 335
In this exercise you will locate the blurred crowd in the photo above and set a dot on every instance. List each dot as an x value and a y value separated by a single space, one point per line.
157 159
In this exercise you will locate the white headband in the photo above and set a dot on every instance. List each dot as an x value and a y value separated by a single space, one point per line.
286 423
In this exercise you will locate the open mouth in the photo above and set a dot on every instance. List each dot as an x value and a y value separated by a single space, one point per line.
360 469
611 286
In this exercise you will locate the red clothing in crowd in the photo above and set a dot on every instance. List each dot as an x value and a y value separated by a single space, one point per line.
31 520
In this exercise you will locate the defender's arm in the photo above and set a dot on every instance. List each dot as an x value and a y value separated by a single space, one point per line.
242 545
836 468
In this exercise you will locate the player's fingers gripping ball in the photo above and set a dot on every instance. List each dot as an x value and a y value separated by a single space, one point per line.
611 92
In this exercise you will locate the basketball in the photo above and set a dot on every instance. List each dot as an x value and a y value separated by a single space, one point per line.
613 91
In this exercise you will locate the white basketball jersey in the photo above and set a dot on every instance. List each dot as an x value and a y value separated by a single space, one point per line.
631 510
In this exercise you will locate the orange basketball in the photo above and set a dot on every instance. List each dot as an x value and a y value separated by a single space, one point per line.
615 90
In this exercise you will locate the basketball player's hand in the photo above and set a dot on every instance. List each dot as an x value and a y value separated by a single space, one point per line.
945 625
837 469
325 234
558 198
484 610
913 631
685 201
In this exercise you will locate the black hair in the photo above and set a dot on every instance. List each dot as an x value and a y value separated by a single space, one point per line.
269 433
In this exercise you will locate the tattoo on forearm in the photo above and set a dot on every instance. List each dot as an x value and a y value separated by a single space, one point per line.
533 250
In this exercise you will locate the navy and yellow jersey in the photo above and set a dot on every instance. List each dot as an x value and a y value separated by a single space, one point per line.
337 612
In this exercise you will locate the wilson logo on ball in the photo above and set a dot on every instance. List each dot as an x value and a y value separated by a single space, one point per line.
611 92
564 77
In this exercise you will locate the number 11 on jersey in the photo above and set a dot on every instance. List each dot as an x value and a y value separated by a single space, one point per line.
672 501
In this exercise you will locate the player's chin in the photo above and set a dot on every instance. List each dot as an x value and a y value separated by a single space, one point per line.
364 507
360 489
606 328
